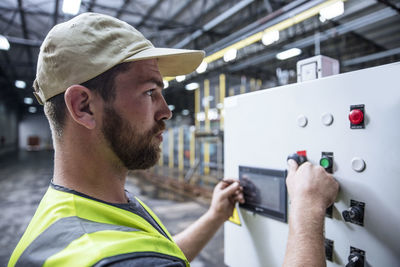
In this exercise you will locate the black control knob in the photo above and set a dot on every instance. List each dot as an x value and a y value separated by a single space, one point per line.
356 259
353 213
298 158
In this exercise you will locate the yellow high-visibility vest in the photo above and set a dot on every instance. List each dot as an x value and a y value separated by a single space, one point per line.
71 229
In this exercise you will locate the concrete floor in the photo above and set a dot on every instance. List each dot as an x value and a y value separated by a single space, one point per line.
24 178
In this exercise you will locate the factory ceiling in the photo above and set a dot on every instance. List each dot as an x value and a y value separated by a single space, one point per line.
366 34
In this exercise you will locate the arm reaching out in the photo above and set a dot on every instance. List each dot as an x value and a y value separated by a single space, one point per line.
311 190
195 237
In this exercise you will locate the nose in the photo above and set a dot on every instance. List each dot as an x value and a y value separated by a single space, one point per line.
164 113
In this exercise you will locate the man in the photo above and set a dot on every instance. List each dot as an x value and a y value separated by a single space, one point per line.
100 81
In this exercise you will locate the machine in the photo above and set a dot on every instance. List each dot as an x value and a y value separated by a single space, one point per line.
347 123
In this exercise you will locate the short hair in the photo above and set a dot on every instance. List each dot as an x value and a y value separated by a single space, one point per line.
103 84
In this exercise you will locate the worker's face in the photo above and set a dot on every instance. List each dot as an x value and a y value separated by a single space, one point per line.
133 123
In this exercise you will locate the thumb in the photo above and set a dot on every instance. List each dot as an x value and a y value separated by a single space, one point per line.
292 165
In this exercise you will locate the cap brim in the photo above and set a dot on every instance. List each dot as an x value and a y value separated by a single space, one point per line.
171 62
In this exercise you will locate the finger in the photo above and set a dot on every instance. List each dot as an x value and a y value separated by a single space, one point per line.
230 180
226 182
292 165
239 198
337 185
230 190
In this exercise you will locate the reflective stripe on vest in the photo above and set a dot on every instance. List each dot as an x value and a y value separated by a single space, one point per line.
59 235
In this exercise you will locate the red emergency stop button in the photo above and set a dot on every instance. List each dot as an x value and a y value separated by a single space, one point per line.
356 116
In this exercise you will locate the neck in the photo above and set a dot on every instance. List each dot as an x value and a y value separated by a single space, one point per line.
85 169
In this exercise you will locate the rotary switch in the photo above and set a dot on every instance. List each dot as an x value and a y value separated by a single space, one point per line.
355 260
300 157
355 213
352 213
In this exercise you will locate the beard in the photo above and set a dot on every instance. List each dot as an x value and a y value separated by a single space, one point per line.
134 149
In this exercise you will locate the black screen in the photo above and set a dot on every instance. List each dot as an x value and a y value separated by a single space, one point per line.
264 191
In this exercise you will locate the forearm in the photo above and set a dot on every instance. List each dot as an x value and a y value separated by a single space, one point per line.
305 245
196 236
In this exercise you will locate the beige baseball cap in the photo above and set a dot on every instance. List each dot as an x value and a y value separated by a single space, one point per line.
78 50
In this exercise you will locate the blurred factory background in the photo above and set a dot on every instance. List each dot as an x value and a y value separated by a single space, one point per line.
250 45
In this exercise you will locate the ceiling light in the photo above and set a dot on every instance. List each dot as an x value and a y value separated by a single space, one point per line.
20 84
171 107
32 109
28 100
180 78
331 11
202 68
4 44
185 112
280 26
270 37
192 86
71 6
166 84
230 55
288 53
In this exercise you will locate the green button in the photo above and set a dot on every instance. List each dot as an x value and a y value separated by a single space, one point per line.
324 162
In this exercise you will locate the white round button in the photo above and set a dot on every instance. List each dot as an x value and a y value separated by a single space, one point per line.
302 121
327 119
358 164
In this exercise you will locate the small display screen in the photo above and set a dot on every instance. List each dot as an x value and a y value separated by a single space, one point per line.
264 191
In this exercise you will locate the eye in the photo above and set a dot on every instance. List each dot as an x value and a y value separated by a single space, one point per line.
150 92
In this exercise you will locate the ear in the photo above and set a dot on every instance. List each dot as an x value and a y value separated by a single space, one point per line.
80 104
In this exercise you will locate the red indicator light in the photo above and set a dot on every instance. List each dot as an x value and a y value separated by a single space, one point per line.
356 116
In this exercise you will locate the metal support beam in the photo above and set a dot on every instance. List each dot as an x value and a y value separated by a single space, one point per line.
186 5
268 6
170 22
25 34
214 22
122 9
379 55
308 41
135 13
26 12
91 5
345 28
195 21
55 16
389 4
281 14
148 13
22 41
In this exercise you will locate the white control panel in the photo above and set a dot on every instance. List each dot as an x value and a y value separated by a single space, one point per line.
353 119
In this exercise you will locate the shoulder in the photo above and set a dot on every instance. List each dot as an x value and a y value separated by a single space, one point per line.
141 259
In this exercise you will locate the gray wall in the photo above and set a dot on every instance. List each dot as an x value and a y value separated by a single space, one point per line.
8 129
35 125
